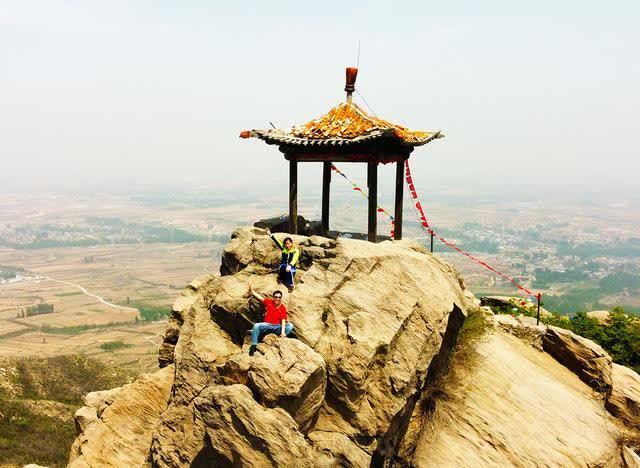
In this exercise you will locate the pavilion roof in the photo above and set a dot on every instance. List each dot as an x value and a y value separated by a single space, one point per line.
345 124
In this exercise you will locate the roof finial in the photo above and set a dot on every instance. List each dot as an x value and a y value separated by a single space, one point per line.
350 87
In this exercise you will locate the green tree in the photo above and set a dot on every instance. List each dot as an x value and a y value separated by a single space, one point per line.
583 325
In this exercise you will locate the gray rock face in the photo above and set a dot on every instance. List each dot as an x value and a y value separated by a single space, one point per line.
523 327
582 356
181 305
624 399
116 426
284 373
242 432
337 449
630 459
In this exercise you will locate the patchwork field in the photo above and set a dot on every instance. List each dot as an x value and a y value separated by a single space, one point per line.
96 293
102 261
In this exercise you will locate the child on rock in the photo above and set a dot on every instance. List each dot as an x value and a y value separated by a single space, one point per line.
288 260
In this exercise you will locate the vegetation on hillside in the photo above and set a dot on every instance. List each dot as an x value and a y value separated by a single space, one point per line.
580 295
619 336
8 272
622 248
470 242
619 281
95 231
544 277
39 309
75 329
38 398
115 345
461 361
151 313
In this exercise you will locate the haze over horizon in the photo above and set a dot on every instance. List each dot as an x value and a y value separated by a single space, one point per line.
131 96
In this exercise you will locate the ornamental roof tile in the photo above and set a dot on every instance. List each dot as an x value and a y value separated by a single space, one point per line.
345 124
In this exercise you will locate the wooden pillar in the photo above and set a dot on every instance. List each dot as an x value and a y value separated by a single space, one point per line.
326 186
372 183
293 196
397 215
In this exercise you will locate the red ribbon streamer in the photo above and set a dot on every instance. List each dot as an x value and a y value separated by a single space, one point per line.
425 225
355 187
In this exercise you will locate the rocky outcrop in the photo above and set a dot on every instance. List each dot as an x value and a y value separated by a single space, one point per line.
522 326
180 306
582 356
400 433
200 348
516 406
368 320
284 373
624 399
115 427
630 458
242 432
364 381
505 304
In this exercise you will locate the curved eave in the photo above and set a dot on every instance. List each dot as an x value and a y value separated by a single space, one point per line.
279 137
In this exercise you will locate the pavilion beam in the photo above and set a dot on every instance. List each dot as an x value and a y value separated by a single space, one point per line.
397 216
334 157
372 183
293 196
326 187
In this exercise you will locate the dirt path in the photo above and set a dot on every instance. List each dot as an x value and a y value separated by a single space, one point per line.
95 296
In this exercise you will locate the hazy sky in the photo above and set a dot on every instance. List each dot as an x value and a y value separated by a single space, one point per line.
132 93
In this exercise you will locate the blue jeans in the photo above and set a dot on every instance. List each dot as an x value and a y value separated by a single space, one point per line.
264 327
286 276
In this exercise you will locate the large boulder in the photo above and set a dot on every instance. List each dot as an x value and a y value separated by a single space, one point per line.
624 399
201 346
284 373
368 319
339 449
241 432
117 428
582 356
509 404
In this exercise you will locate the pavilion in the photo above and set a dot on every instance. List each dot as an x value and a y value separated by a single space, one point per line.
346 134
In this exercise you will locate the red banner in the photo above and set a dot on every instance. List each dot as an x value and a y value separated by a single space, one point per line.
425 225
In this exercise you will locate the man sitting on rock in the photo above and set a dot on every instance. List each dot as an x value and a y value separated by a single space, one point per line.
275 319
288 259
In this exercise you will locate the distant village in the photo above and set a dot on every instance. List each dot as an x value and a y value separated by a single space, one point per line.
575 265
